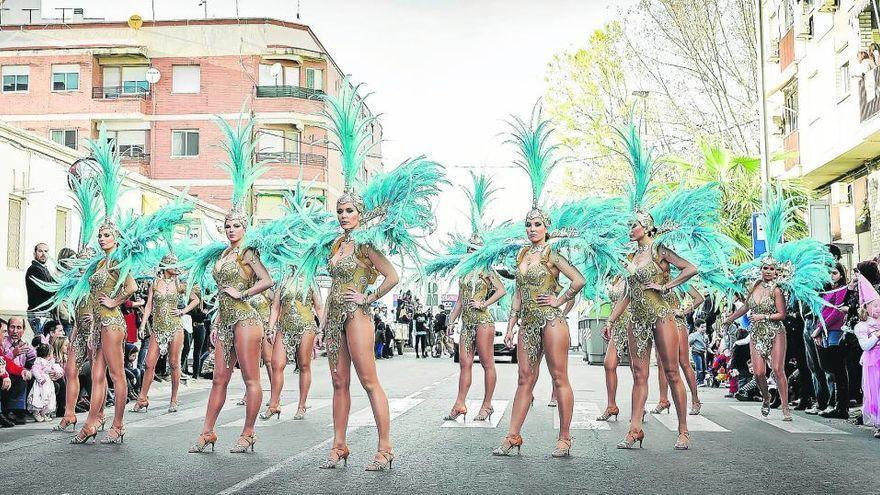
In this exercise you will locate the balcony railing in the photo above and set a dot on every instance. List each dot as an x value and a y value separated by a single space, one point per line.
293 158
120 92
288 92
869 94
134 153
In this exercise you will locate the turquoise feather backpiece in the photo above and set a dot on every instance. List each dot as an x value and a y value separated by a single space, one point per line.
535 153
240 164
87 203
110 173
479 195
350 126
642 165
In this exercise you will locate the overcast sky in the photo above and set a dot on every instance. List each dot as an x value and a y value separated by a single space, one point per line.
445 73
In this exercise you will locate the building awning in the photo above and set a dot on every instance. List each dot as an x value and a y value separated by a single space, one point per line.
120 55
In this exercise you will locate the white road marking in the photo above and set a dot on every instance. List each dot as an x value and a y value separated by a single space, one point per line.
182 416
364 417
694 423
286 415
799 425
584 417
473 409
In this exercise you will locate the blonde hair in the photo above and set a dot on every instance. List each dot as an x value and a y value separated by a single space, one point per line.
57 346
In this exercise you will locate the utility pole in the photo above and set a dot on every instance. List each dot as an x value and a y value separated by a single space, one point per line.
153 8
762 98
205 4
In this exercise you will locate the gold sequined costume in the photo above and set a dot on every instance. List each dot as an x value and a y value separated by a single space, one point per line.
763 331
232 312
103 281
296 319
619 327
474 287
263 306
537 280
347 273
647 306
165 323
80 340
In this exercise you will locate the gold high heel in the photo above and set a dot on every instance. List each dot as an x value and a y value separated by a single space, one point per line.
765 408
563 448
609 411
485 414
552 403
271 411
202 443
786 414
683 444
510 441
341 455
140 406
695 409
241 402
629 441
239 448
662 406
172 407
455 413
64 423
383 464
103 421
117 439
84 435
300 414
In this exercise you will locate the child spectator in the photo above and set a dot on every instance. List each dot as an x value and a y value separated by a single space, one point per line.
41 401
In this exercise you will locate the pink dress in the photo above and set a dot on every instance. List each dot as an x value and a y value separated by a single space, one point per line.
42 396
870 370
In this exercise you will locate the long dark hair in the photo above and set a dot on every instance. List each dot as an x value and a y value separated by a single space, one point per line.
868 269
842 272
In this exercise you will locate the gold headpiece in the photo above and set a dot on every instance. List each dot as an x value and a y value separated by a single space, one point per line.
349 196
168 261
87 252
237 213
645 219
538 214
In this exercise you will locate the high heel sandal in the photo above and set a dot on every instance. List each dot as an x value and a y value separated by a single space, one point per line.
695 408
383 464
552 403
341 454
239 448
172 406
683 445
117 439
84 435
64 424
485 414
300 413
271 411
609 411
662 406
563 448
765 408
510 441
102 421
202 443
455 413
786 414
241 402
140 406
629 441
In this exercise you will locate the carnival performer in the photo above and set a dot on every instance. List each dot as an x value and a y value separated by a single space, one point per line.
262 304
687 303
166 335
382 215
617 348
868 333
797 270
237 269
591 231
683 221
476 293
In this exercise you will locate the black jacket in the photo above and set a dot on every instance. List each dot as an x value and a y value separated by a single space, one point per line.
36 296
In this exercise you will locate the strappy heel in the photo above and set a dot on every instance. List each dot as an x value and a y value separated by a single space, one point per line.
629 441
119 435
103 421
510 441
563 448
64 424
84 435
269 412
609 411
662 406
172 406
300 413
683 444
240 448
202 443
455 413
485 414
383 464
336 455
695 409
765 408
140 406
242 402
552 403
786 414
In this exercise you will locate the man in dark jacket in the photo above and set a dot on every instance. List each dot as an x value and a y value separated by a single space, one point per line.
35 294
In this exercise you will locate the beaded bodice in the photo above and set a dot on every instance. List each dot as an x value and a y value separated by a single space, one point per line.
474 287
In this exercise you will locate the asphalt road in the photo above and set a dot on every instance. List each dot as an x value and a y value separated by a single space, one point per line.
733 449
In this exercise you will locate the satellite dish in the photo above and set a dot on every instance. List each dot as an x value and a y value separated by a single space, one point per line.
153 75
134 22
276 70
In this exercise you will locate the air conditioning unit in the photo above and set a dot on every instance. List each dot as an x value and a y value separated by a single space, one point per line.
774 51
839 194
827 5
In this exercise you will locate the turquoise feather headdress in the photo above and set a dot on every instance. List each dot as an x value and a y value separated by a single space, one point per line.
87 202
110 175
479 195
240 147
536 155
642 164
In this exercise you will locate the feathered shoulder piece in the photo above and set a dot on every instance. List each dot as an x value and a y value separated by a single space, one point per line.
803 267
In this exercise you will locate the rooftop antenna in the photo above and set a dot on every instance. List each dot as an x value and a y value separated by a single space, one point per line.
31 14
205 4
297 9
1 13
153 7
63 13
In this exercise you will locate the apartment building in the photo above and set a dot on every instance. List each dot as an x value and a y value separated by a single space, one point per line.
159 86
823 113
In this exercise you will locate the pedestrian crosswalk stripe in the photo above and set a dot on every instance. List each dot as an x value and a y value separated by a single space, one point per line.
583 417
181 416
473 407
694 423
286 415
799 425
364 417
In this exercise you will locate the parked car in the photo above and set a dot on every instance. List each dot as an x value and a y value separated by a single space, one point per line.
497 345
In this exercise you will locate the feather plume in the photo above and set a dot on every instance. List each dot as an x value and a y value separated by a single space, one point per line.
87 202
350 125
240 148
479 196
536 154
110 173
642 163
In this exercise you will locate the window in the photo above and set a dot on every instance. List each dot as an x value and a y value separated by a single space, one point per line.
843 81
186 79
790 111
315 79
13 236
185 143
60 228
134 80
271 141
788 6
130 144
64 137
65 77
15 78
291 76
266 77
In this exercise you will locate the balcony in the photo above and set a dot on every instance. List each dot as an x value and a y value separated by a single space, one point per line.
869 96
133 154
288 92
120 93
285 157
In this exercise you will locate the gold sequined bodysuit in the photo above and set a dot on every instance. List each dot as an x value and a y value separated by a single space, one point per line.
296 318
763 331
81 343
165 323
346 273
263 305
232 312
647 306
103 281
474 287
537 280
619 327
